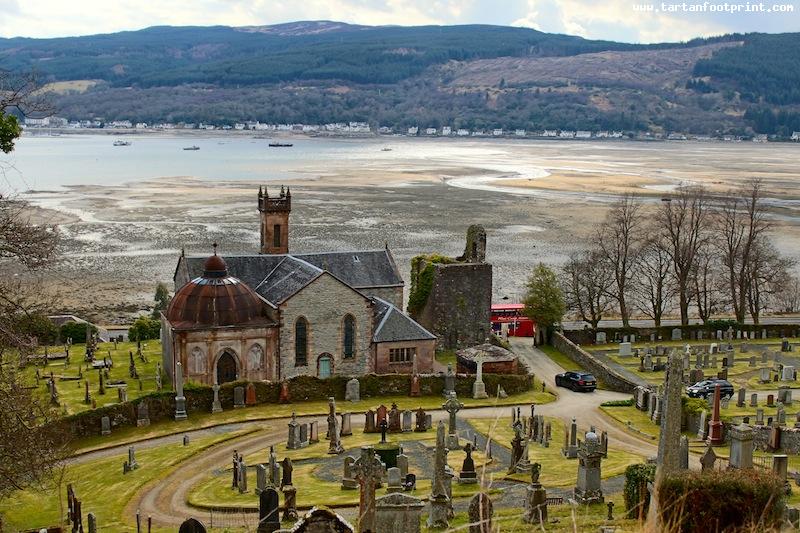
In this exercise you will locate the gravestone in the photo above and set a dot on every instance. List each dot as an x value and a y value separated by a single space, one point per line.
588 489
479 387
684 453
132 464
480 514
394 480
348 481
754 400
250 395
752 361
380 415
788 373
600 337
294 442
439 499
304 441
91 520
346 429
420 423
764 376
625 349
242 482
368 470
449 381
313 432
353 391
105 426
452 406
407 421
468 475
402 463
180 399
536 499
570 449
369 422
238 397
142 414
759 417
741 455
395 421
261 478
398 513
741 395
702 425
192 525
216 405
268 511
677 334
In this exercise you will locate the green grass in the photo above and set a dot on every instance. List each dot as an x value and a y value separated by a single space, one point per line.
561 518
274 411
446 357
637 418
71 393
559 358
556 470
102 487
214 491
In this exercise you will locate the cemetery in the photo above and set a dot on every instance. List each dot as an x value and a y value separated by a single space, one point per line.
455 452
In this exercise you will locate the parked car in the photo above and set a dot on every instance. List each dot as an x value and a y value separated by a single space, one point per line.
577 381
705 388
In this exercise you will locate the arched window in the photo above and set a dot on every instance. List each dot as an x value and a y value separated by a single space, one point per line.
349 337
301 342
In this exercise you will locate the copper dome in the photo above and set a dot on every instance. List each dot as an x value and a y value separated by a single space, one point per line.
214 299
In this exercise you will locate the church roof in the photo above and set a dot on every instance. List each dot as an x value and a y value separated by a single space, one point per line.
278 276
396 326
286 279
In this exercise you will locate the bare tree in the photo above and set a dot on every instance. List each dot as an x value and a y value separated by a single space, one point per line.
586 281
652 286
766 273
683 219
705 284
788 299
617 240
742 222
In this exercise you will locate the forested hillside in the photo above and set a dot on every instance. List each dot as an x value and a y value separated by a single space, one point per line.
475 76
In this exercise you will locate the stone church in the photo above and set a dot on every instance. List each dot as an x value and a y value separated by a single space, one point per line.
276 315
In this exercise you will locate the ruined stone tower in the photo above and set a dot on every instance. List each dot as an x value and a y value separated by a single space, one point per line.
274 221
452 297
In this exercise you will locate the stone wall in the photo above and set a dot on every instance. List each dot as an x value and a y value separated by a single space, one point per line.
324 304
425 354
458 308
613 379
691 332
790 439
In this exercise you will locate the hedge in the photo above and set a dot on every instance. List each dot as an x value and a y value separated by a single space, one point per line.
732 500
161 405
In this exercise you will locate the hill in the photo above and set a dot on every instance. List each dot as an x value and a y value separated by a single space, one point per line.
476 76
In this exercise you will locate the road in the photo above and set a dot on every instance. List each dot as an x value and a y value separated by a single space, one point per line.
165 499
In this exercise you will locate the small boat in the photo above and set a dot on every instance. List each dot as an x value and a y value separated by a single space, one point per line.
193 147
280 145
122 143
386 149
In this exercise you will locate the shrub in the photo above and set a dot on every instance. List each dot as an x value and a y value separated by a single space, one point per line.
729 500
693 406
618 403
637 497
76 331
144 328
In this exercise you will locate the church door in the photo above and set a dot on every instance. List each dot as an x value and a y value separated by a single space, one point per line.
325 364
226 368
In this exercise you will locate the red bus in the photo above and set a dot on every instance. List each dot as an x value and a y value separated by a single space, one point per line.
514 319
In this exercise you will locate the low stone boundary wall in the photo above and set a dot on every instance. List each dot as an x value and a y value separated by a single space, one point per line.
602 371
161 405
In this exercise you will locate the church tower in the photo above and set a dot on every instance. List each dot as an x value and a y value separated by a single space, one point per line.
274 221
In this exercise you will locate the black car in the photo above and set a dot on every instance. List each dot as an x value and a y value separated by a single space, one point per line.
705 388
577 381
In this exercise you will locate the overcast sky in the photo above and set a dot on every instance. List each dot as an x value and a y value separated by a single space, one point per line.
596 19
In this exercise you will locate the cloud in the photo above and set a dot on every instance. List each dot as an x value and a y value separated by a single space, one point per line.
610 19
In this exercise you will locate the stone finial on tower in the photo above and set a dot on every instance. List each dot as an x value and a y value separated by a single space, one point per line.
275 221
475 249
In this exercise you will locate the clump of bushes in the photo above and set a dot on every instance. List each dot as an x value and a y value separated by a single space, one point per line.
732 500
693 406
637 497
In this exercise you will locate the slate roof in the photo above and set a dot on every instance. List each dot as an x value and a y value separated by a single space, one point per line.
286 279
395 326
276 277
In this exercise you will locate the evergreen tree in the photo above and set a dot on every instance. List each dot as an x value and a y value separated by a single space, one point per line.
544 301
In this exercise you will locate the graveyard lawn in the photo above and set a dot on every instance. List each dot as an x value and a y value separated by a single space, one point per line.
557 471
741 374
754 383
561 518
639 420
71 392
102 487
273 411
215 492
